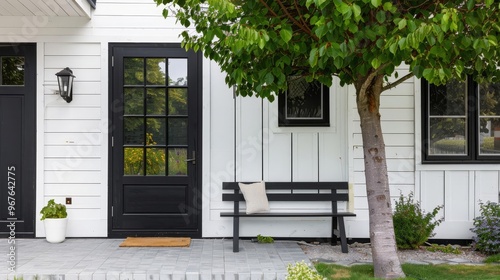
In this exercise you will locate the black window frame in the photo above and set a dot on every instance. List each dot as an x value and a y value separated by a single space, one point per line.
324 121
472 114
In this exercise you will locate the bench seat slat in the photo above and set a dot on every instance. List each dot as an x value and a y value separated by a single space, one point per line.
292 197
292 185
288 214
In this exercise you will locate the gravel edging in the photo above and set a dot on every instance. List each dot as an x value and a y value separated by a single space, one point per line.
361 253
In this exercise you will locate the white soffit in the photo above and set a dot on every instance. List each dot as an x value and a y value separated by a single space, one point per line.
51 8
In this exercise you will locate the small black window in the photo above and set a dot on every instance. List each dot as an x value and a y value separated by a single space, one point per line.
461 122
304 103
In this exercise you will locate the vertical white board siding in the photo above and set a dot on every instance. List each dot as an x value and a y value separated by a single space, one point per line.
278 152
249 139
486 188
432 189
456 195
305 157
332 157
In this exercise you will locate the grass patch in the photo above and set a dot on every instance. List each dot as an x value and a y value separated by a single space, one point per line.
493 259
413 271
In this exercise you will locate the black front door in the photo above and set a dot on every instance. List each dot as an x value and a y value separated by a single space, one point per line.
17 139
155 141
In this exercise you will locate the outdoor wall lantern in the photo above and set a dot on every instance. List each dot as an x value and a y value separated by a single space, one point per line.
65 81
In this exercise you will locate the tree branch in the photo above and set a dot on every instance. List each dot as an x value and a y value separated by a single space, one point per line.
406 77
269 8
283 8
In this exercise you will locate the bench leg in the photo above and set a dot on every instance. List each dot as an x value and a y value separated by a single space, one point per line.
236 234
333 242
343 238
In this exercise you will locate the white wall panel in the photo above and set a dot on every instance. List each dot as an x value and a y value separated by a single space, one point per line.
432 189
73 190
456 204
73 138
279 157
486 188
249 139
332 157
305 157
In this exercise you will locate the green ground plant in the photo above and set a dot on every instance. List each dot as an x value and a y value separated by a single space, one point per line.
412 226
264 239
448 249
493 259
301 271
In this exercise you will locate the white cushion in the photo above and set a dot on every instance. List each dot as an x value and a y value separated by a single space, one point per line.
255 197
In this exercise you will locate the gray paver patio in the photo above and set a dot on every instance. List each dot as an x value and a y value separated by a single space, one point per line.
103 259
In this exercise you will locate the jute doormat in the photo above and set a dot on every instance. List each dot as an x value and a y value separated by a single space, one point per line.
156 242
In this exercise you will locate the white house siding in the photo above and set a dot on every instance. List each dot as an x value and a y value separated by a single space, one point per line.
241 138
72 138
244 143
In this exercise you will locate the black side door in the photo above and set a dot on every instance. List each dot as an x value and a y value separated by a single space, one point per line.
155 141
17 139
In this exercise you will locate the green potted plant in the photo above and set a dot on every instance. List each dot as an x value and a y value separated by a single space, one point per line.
54 217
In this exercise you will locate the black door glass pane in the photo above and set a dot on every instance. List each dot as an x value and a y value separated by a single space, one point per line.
177 131
448 100
177 72
155 71
177 164
489 99
133 131
447 136
12 71
133 161
155 161
303 99
156 131
155 101
133 101
177 101
489 136
133 71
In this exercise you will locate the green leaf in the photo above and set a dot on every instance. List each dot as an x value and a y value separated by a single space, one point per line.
356 10
380 16
376 63
286 34
376 3
313 57
402 24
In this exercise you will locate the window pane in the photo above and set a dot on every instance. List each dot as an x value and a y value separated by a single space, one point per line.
177 164
448 100
489 136
156 131
12 71
134 101
155 69
177 101
177 72
155 101
133 161
155 161
133 71
177 131
133 130
489 99
303 99
447 136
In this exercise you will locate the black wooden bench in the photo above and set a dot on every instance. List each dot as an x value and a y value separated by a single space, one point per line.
293 191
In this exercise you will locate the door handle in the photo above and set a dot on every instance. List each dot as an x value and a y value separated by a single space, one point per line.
193 159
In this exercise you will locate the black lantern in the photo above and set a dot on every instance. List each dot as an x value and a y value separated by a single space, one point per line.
65 81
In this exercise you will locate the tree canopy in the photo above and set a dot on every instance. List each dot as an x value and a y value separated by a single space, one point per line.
319 39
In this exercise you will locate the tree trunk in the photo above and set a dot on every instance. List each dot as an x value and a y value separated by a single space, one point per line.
386 262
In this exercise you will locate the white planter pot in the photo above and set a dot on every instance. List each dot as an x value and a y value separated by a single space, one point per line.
55 230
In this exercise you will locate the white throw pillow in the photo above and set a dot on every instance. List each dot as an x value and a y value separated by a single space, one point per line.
255 197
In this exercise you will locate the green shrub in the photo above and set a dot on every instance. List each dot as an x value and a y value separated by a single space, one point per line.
448 249
301 271
53 211
412 226
487 228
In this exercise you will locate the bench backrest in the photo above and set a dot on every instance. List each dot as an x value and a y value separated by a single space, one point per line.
294 191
